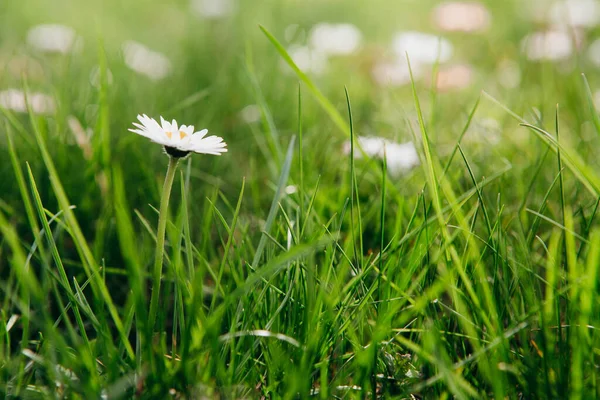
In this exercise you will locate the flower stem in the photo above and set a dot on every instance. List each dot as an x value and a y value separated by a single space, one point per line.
160 240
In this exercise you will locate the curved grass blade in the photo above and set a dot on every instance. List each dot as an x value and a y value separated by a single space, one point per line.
326 104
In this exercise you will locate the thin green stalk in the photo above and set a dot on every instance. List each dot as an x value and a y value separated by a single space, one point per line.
160 239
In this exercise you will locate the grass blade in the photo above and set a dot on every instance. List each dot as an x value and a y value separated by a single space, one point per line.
329 108
283 178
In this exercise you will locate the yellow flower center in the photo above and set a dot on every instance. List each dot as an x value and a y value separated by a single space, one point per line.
169 134
182 135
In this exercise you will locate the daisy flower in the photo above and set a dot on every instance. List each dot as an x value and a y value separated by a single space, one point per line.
179 141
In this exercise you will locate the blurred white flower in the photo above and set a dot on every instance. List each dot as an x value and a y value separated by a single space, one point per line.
335 39
422 47
509 74
141 59
14 99
395 73
464 16
307 59
212 9
594 52
400 157
178 140
549 45
454 77
291 189
251 113
53 38
577 13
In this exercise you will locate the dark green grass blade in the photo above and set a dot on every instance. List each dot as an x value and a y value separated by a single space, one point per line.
479 193
354 200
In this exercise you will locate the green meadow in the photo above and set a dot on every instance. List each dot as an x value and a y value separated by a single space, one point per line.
407 208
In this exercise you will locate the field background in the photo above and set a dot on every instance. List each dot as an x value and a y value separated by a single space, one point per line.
293 270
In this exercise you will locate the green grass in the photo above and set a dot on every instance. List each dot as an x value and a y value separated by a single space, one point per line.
291 270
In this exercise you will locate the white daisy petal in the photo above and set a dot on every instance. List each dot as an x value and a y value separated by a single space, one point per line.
149 123
166 126
141 132
181 138
189 130
140 126
200 134
210 145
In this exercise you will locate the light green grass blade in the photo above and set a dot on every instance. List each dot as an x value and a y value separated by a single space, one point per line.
484 305
329 108
29 210
282 182
29 283
103 138
586 338
231 232
272 136
572 160
590 100
462 135
577 341
301 196
429 164
90 264
129 245
57 259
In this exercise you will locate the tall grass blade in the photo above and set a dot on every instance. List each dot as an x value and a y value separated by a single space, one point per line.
281 183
